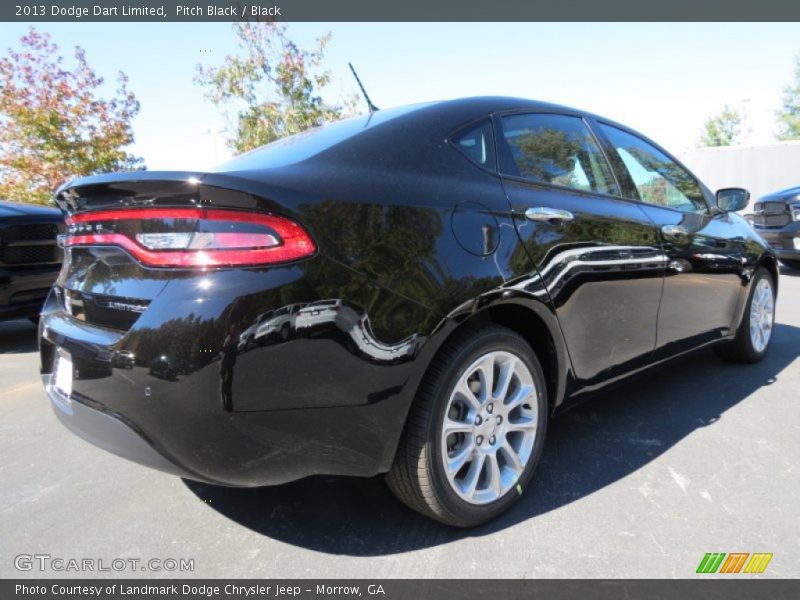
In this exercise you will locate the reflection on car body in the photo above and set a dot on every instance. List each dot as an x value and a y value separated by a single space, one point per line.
314 318
320 313
280 323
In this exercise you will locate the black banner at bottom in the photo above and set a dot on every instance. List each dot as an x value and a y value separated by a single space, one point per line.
734 588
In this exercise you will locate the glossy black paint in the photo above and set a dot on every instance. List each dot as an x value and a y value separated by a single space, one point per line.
29 257
602 273
706 267
252 376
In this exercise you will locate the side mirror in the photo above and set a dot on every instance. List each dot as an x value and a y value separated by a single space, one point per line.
732 199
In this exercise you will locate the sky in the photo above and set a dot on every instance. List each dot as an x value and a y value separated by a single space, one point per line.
663 79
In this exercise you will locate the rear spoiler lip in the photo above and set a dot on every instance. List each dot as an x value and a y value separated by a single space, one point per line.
70 197
129 177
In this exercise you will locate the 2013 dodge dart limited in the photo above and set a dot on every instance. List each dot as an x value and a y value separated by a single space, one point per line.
412 292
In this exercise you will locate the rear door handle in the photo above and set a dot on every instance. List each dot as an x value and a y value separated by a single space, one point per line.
674 231
545 213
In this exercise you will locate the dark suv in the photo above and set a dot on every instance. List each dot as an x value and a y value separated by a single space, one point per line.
412 292
29 257
776 218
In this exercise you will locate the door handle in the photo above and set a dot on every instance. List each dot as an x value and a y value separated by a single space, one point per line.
544 213
674 231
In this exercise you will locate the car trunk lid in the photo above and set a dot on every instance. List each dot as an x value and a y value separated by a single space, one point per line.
129 234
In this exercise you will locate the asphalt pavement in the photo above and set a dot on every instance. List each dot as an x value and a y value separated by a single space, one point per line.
700 457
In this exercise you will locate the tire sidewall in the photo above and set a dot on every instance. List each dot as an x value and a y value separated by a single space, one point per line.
459 509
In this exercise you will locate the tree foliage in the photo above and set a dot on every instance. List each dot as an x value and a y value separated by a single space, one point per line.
723 129
272 88
789 116
53 122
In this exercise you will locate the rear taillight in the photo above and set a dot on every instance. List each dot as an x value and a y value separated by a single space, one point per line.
193 237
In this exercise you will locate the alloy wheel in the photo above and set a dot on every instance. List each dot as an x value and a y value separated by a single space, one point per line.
762 315
489 427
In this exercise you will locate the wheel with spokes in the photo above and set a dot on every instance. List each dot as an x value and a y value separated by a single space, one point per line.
755 331
476 429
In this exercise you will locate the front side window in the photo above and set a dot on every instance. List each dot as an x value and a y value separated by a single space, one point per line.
557 150
658 179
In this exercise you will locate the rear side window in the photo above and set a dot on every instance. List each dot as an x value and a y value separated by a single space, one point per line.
659 180
477 144
558 150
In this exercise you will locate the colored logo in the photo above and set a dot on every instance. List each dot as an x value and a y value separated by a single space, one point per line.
734 562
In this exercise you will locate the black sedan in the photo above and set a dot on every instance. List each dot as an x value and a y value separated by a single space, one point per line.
413 292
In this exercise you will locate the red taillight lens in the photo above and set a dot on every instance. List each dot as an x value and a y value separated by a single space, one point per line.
193 237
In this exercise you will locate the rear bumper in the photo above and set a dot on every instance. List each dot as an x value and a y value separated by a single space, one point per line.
181 395
108 431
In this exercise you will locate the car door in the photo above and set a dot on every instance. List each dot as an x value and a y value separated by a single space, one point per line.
597 254
702 285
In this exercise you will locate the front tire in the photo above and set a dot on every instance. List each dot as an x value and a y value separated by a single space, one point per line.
476 430
755 331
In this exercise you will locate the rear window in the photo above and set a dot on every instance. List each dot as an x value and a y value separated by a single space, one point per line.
302 146
477 144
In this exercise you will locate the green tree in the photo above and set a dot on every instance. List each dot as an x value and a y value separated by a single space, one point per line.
53 122
789 116
272 88
722 129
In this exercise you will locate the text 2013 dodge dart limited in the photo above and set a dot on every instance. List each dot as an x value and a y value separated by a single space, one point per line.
413 292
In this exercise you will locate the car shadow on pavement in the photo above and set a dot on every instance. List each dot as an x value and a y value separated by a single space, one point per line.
18 337
588 448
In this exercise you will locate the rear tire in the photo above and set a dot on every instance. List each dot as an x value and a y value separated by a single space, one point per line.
792 264
472 440
755 331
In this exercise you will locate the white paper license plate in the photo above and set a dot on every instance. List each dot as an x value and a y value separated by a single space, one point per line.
63 373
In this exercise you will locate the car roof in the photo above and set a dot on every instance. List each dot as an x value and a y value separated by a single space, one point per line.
403 130
479 106
401 137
